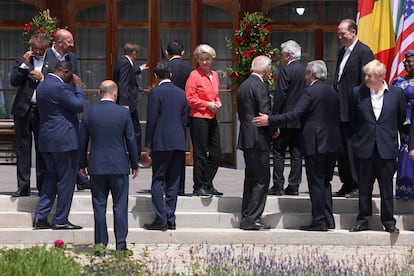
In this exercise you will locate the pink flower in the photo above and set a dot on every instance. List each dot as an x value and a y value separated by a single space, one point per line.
59 243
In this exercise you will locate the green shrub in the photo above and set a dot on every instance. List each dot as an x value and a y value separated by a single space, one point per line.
38 261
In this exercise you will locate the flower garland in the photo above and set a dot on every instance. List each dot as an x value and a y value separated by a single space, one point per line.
250 40
43 24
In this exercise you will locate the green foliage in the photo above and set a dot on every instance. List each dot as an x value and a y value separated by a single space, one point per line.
250 40
37 261
43 24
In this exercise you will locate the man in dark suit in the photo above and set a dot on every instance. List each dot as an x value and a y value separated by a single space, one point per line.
167 119
377 112
28 72
180 71
60 51
252 99
124 76
318 107
290 82
351 58
60 99
108 163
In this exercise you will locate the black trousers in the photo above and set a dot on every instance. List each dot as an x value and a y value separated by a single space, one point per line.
347 163
288 137
256 184
205 136
383 170
137 129
27 128
319 172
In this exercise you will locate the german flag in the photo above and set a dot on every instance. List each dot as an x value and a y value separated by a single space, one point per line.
376 29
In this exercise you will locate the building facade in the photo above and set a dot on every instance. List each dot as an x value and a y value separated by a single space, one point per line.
101 27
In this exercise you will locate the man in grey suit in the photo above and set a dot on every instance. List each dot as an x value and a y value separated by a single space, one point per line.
252 99
377 113
318 107
108 127
28 72
351 58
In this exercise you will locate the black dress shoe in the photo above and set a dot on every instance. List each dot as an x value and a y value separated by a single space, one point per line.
291 191
66 226
392 229
171 225
203 193
353 194
359 227
84 186
40 224
21 192
156 226
252 227
314 227
214 192
275 191
341 193
331 226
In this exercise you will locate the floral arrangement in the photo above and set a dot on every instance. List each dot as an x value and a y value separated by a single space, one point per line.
42 23
250 40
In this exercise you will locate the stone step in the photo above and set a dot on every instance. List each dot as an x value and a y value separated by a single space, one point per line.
142 203
213 236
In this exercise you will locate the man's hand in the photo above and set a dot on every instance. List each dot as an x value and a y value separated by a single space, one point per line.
411 154
36 75
261 120
134 173
84 171
143 67
276 134
26 57
77 80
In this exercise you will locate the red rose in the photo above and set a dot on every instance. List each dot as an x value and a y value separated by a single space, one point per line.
52 36
41 31
246 54
27 27
234 75
59 243
267 27
252 49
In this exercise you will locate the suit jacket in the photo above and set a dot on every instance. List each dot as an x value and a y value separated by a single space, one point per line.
180 72
124 76
318 108
110 138
167 118
289 86
382 132
252 98
58 104
51 60
352 75
26 85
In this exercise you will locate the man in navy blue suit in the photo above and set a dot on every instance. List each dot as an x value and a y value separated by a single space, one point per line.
318 109
377 112
167 119
108 163
124 76
60 51
180 71
60 99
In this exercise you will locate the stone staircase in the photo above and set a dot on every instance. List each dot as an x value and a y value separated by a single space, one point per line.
214 220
